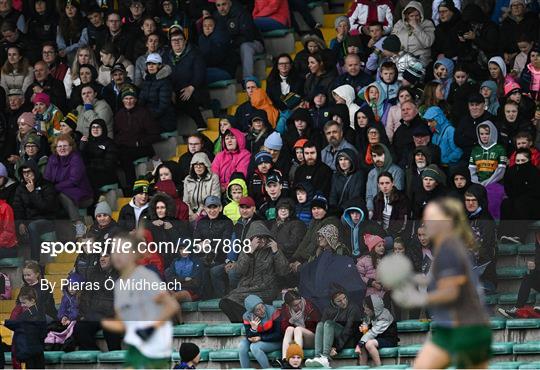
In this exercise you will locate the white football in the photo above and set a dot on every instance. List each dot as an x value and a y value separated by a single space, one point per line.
394 270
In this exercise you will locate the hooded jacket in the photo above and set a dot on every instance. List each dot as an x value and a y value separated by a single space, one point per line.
399 215
100 109
417 40
447 82
239 24
135 128
454 171
446 37
512 29
443 136
413 175
492 103
269 328
307 247
69 306
351 232
382 324
197 189
168 187
255 140
187 267
347 93
522 180
226 162
421 197
259 100
379 107
488 161
131 216
219 228
465 135
403 143
155 94
372 188
311 133
349 317
289 232
232 210
8 235
346 186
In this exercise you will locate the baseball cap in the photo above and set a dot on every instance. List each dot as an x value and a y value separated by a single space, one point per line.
246 201
212 200
476 98
273 177
154 58
118 67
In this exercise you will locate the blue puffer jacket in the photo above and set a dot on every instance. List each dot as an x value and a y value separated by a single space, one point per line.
443 136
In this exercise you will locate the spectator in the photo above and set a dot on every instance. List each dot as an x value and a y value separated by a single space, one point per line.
168 187
186 269
8 234
271 15
245 110
525 44
26 123
314 170
416 33
87 76
100 155
219 59
110 56
524 140
42 23
321 74
512 124
348 180
236 189
67 172
104 227
459 180
529 75
240 26
16 71
34 199
288 230
92 108
112 92
420 159
365 13
320 107
527 107
133 215
284 78
274 192
337 328
328 241
353 76
118 37
345 94
433 186
153 46
447 31
460 89
69 305
71 33
134 132
48 116
257 181
443 71
391 207
379 330
189 352
518 22
367 265
488 89
188 76
443 136
383 162
304 193
258 267
10 14
336 142
97 30
300 127
403 142
281 159
199 184
262 326
312 44
233 158
196 142
49 75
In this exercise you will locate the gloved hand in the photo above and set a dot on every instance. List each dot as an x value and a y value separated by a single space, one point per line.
145 333
409 296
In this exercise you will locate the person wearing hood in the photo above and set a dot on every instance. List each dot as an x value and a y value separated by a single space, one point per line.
245 110
233 158
497 74
348 182
320 110
274 188
156 90
433 186
459 179
8 233
259 130
236 189
337 329
374 97
304 193
284 78
314 170
257 181
420 159
345 94
367 264
524 140
461 88
353 76
485 232
354 225
262 323
488 89
260 101
403 142
368 133
34 199
188 76
521 183
100 155
328 240
518 22
447 31
383 162
300 126
288 230
92 108
312 44
416 33
134 214
422 138
336 142
512 123
379 330
259 268
168 187
443 136
391 207
69 305
443 71
340 114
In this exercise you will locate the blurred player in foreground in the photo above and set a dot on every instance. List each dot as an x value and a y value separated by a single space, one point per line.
461 334
144 315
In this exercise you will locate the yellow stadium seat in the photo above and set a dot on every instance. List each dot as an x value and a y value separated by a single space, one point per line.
263 84
120 202
7 305
232 110
66 257
329 19
59 268
115 215
212 135
181 149
7 335
298 46
329 34
241 97
213 124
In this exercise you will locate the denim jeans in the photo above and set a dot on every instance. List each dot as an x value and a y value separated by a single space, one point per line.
325 334
266 24
35 230
248 50
259 350
214 74
218 277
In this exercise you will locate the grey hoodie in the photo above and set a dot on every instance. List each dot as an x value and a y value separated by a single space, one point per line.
381 320
372 187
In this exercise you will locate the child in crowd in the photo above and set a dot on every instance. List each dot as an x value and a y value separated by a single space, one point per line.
442 72
304 194
375 98
367 265
236 189
524 140
320 110
44 298
488 90
225 123
190 356
388 80
399 246
294 357
69 306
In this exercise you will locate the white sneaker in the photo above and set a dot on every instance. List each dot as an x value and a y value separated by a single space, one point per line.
317 362
509 314
323 361
511 239
537 309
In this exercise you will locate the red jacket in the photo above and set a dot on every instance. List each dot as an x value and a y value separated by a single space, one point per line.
535 158
311 317
8 235
275 9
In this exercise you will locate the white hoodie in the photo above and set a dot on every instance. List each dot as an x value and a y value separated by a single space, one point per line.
347 93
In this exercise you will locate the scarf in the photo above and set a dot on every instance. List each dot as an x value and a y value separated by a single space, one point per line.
297 318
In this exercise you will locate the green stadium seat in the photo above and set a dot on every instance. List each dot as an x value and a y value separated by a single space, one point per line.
412 326
224 355
532 347
314 4
309 353
166 135
505 365
523 324
140 161
511 272
497 323
112 357
53 357
11 262
491 299
49 237
511 298
204 355
347 353
80 357
271 355
189 330
529 365
7 357
277 303
389 352
223 330
502 348
221 84
388 367
277 33
190 306
106 188
526 249
507 249
211 305
409 351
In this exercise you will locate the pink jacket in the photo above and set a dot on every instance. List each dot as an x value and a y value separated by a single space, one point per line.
368 273
393 121
226 163
275 9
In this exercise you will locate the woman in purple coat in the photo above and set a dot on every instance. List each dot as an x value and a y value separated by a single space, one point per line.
66 170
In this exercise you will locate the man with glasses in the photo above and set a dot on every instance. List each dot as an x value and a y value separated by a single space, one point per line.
195 143
49 54
118 36
45 83
245 36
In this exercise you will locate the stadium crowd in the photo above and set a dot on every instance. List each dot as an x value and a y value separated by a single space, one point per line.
330 165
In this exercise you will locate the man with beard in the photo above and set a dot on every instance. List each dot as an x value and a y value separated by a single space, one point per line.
336 142
313 170
422 138
420 159
382 160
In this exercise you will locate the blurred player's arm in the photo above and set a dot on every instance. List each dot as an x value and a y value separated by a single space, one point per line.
169 308
115 324
448 289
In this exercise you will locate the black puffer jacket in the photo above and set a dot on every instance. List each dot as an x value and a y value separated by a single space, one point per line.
100 155
219 229
155 94
188 69
98 304
347 186
462 170
446 37
289 232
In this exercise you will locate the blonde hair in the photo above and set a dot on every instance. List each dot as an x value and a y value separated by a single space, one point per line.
454 209
76 66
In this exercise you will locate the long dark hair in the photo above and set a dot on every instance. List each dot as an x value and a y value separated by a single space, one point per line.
274 73
71 28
